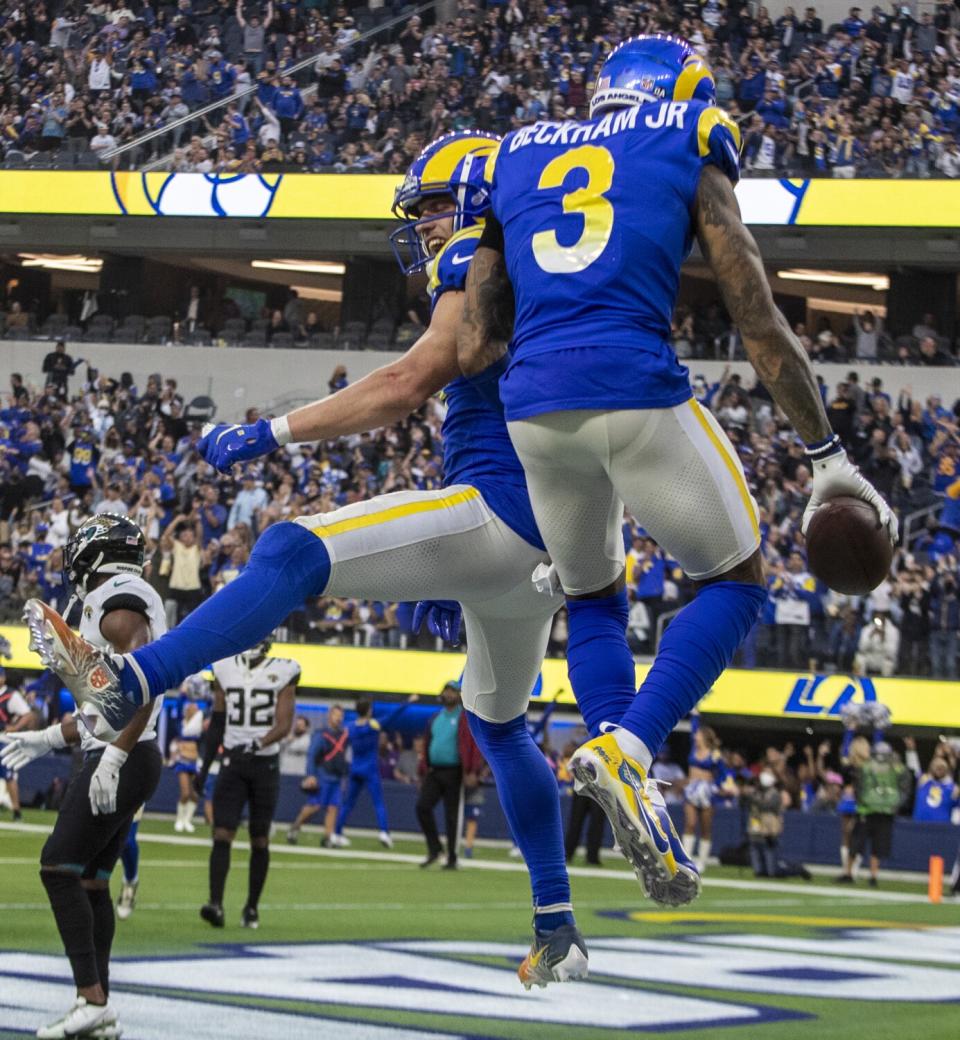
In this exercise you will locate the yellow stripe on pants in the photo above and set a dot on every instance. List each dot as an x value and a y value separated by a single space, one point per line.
732 467
427 505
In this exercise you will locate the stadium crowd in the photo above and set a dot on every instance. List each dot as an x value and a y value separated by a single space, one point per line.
88 441
876 95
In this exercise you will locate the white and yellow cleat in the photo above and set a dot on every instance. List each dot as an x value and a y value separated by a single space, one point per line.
618 784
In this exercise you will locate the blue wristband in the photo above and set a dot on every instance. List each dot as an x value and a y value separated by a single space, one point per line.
820 450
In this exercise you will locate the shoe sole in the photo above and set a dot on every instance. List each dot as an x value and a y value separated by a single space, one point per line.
572 968
683 888
636 845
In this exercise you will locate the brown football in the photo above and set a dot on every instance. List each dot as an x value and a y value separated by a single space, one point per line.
847 548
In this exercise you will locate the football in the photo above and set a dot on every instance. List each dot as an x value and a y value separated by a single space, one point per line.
847 548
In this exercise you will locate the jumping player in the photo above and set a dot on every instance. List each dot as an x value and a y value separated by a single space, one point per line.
103 563
474 541
589 226
254 697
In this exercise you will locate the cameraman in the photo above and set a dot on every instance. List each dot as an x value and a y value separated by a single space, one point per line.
878 647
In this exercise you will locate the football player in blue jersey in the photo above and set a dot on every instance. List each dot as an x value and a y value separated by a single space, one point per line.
590 222
474 541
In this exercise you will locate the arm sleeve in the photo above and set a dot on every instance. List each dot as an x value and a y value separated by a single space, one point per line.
492 237
126 601
215 731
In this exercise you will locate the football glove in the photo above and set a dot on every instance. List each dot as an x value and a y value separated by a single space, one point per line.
443 616
245 749
835 475
225 444
106 780
21 748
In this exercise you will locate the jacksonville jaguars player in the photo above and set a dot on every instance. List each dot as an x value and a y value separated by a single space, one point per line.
590 223
254 697
475 541
103 563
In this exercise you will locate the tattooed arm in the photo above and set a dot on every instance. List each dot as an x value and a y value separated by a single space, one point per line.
487 320
774 351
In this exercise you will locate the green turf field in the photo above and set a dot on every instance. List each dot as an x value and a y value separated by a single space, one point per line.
393 953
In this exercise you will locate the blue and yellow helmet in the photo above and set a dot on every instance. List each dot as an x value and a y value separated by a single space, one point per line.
452 166
651 69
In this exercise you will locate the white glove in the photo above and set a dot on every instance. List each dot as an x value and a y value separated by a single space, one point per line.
834 475
21 748
105 780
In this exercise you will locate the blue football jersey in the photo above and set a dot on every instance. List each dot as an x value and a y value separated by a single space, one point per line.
597 220
934 800
477 449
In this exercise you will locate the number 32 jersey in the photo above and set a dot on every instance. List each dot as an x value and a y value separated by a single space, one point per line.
597 219
252 697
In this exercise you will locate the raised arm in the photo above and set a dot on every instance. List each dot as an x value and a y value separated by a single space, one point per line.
772 348
382 397
240 18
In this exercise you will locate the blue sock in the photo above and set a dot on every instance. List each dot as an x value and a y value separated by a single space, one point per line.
695 649
287 565
531 802
130 856
599 662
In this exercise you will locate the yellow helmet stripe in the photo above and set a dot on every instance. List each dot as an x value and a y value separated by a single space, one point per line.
693 74
709 118
440 167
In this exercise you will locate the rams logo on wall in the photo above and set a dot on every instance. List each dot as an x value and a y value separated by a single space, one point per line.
195 194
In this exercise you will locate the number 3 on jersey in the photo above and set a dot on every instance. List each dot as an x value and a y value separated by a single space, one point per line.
588 201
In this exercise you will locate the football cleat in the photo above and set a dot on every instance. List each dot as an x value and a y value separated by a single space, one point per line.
293 835
127 900
685 885
213 913
250 917
87 673
557 956
617 783
385 840
82 1019
338 841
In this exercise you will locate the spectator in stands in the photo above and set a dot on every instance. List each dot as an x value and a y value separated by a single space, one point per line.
878 647
944 625
180 545
248 503
58 366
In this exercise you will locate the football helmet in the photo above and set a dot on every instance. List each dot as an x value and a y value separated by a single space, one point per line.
652 68
451 167
257 653
107 543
